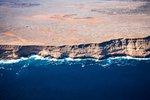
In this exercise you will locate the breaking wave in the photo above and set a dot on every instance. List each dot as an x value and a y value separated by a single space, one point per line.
37 61
40 58
37 57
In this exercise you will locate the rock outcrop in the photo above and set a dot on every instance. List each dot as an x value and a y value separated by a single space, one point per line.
138 47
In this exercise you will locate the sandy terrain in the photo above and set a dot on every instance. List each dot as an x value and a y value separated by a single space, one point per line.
60 22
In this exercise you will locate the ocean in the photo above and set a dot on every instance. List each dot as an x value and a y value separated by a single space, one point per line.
37 78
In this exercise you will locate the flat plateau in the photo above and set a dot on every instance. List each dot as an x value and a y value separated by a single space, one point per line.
74 28
72 22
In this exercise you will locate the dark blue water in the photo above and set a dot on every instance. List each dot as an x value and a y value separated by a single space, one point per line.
44 79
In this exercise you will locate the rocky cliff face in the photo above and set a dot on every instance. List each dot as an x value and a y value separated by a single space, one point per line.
139 47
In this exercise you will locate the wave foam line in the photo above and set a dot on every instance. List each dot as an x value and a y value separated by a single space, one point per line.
37 57
12 61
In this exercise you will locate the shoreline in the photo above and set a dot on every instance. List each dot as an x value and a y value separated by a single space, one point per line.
136 47
37 57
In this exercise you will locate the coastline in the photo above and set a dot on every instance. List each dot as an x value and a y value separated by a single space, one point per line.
136 47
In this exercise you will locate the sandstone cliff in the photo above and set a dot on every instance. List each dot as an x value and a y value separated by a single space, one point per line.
138 47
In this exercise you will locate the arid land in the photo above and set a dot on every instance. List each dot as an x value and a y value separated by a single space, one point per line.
74 28
69 22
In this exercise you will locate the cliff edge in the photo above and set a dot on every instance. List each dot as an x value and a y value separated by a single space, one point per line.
137 47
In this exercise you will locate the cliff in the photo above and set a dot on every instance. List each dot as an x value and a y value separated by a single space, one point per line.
137 47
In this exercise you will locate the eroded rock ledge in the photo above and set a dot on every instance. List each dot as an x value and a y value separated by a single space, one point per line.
138 47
